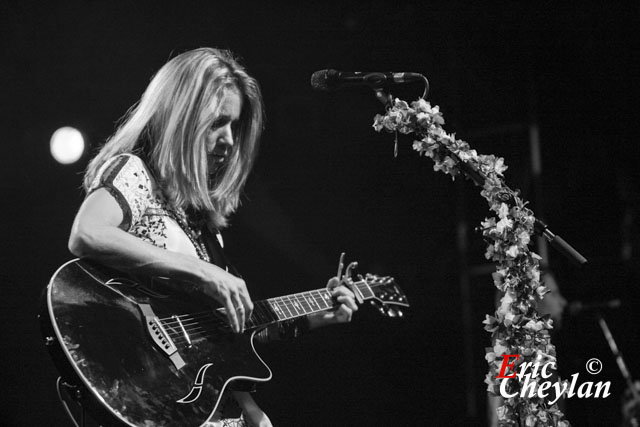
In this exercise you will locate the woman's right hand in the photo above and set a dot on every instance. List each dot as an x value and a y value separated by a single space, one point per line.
96 235
231 292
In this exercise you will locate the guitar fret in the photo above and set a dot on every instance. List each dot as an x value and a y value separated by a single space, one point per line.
316 301
323 299
306 308
293 306
326 296
358 292
290 307
311 301
296 305
365 290
276 308
285 309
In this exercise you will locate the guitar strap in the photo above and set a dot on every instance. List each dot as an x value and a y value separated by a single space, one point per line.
216 253
287 330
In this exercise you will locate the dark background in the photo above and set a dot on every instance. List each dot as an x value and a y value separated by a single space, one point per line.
326 182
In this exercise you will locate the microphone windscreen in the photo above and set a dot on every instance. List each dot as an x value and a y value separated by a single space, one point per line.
319 80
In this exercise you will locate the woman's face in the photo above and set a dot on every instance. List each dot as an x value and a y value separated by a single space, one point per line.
219 138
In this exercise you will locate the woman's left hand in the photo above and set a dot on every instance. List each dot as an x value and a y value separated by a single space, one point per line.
342 313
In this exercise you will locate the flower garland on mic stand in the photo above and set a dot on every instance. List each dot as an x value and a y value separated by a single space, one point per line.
516 327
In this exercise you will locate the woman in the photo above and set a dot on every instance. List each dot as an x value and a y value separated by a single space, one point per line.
165 183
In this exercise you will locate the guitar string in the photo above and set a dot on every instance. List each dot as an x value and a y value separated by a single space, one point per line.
188 320
260 314
200 333
191 325
291 307
206 313
178 336
200 326
292 304
288 304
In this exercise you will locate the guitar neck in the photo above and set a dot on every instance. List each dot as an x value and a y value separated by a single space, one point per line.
278 309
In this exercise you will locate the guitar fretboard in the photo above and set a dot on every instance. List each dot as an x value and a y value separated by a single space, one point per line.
184 329
291 306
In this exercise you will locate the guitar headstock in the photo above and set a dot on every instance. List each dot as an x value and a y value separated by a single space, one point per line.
384 293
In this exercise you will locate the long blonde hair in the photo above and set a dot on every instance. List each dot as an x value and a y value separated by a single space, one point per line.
168 126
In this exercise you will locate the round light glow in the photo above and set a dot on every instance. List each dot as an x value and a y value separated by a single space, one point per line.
67 145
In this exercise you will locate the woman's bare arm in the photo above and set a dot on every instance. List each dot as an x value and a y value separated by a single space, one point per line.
96 235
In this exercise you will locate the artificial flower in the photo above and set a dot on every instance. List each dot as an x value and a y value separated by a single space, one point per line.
516 327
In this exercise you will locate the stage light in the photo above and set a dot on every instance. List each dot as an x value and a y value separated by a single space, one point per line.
67 145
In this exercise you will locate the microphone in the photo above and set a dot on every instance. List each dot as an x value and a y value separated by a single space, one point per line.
578 307
332 79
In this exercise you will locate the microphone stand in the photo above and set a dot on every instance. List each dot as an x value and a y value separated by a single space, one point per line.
540 228
476 175
633 420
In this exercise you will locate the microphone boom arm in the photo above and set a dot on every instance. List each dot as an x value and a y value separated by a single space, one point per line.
540 227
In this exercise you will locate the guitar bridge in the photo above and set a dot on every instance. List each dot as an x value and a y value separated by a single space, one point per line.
160 336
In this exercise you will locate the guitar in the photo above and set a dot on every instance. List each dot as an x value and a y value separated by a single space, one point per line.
146 354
